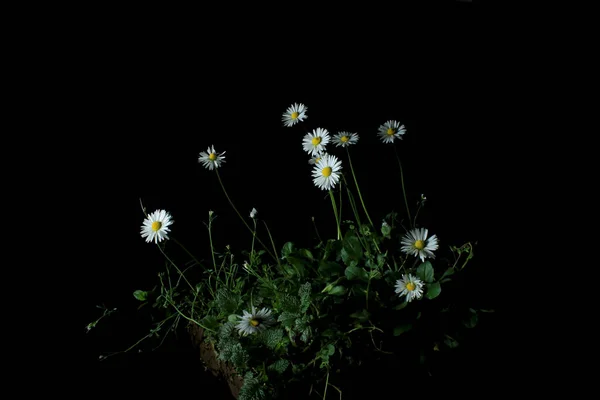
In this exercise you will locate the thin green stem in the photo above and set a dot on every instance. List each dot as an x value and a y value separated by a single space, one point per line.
358 188
176 267
272 243
239 215
212 248
337 219
403 186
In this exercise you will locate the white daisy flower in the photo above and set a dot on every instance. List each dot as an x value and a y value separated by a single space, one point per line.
296 112
253 213
326 172
156 226
345 139
255 321
314 143
391 130
415 242
211 159
315 159
410 286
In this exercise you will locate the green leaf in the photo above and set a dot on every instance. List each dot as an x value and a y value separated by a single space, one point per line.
448 272
356 273
329 268
306 253
352 249
425 272
450 342
433 290
401 305
287 249
233 318
279 366
141 295
330 349
386 229
471 321
338 290
287 319
400 329
362 315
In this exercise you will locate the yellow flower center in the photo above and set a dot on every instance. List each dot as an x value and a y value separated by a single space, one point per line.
254 322
326 171
295 115
410 286
390 131
156 225
316 140
344 139
419 245
317 159
212 157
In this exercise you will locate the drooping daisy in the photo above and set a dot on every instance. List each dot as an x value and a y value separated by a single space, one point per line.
255 321
211 159
415 242
253 213
410 286
314 143
326 172
294 113
345 139
156 226
390 131
315 159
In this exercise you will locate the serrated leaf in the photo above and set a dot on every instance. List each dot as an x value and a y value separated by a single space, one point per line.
425 272
433 290
279 366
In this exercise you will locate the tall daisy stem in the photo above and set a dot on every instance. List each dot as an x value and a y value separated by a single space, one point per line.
242 218
403 186
358 188
337 218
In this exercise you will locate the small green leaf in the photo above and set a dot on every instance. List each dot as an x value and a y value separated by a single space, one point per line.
233 318
288 248
338 290
400 329
141 295
306 253
448 272
362 315
425 272
401 305
433 290
471 321
356 273
450 342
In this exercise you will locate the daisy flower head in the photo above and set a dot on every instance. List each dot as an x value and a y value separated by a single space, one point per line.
315 159
415 242
345 139
314 143
253 213
294 114
326 172
390 131
255 321
211 159
156 226
410 286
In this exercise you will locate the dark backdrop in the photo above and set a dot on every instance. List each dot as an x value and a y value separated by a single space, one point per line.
153 101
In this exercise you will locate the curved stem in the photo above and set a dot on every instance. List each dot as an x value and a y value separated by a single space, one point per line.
337 219
358 188
403 186
242 218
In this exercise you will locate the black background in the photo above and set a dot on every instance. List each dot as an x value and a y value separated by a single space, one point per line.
151 94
